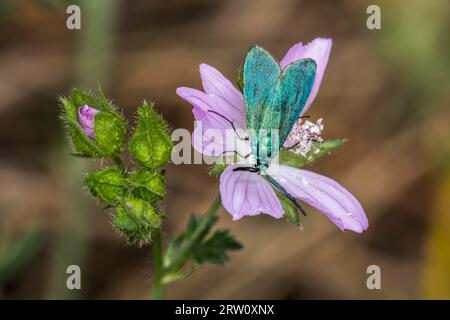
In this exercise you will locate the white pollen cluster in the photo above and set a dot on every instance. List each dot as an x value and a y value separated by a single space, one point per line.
303 135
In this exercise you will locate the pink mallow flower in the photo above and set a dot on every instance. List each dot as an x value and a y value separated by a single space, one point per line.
246 193
86 116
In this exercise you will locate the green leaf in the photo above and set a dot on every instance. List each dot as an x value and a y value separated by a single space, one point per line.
137 220
294 160
108 185
109 132
147 185
150 145
214 250
194 244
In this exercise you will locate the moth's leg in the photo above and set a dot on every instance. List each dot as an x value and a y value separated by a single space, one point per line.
248 169
293 146
284 192
234 151
231 123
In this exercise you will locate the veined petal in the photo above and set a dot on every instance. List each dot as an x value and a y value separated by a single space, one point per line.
210 135
319 50
247 194
325 194
215 83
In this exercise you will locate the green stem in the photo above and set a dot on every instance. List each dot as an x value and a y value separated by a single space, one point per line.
158 272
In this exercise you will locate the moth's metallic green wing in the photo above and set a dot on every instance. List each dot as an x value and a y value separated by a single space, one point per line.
261 74
293 89
273 100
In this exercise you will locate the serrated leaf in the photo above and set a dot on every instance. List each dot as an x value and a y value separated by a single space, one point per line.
195 244
109 132
150 145
214 250
147 185
294 160
108 185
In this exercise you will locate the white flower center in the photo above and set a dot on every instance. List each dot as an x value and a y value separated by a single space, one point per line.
303 135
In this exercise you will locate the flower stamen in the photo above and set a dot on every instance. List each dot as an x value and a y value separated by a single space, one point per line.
303 136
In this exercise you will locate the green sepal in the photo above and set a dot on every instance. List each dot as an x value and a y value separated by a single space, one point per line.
109 132
82 145
99 102
147 185
290 210
240 79
217 169
108 185
150 145
136 219
220 164
294 160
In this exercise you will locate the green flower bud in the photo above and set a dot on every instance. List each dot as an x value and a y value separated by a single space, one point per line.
150 145
137 219
109 132
95 129
147 185
108 185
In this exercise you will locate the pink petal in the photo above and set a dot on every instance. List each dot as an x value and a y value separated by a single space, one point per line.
319 49
248 194
325 194
215 83
210 135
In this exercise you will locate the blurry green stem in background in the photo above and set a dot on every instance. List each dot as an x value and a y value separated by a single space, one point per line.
20 253
92 64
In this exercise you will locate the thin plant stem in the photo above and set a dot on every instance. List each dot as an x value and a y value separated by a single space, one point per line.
158 271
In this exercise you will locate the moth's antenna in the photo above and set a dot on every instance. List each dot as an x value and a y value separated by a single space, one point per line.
230 122
283 191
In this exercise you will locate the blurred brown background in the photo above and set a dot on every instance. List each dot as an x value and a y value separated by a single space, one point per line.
386 90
